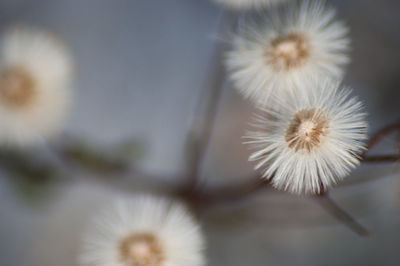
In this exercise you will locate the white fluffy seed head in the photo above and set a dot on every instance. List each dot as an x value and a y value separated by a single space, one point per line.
243 5
285 48
143 231
313 141
35 85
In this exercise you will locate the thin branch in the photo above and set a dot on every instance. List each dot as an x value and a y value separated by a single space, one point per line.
381 158
226 194
336 211
398 142
200 132
359 180
380 134
212 196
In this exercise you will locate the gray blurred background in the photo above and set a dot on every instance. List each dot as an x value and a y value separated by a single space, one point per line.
141 66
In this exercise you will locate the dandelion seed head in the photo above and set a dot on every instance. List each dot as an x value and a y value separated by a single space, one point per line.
310 140
35 85
143 231
287 47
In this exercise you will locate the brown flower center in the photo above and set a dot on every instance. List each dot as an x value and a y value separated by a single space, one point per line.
287 52
17 87
142 249
306 129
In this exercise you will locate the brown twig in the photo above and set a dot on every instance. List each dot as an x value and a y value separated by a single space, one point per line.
380 134
227 194
381 158
375 139
200 132
208 197
336 211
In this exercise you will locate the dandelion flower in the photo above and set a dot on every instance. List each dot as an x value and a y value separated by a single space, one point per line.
35 75
248 4
313 141
287 48
144 231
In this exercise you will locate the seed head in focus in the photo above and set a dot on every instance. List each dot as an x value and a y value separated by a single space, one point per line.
313 141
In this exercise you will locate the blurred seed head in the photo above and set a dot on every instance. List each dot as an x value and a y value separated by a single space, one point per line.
144 231
35 85
287 48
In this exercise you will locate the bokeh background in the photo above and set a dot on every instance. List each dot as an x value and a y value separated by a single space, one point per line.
141 67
